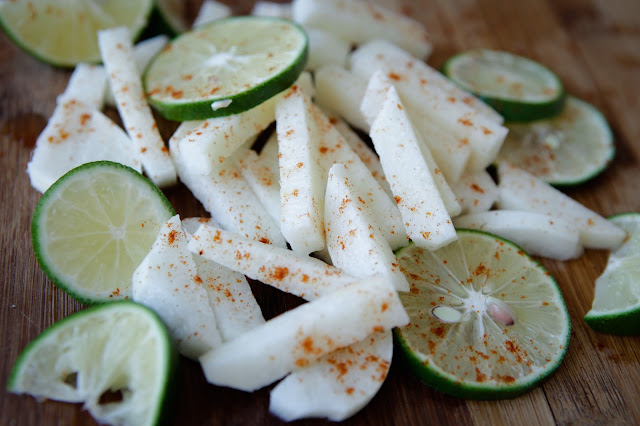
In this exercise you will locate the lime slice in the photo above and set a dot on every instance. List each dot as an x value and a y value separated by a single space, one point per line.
225 67
64 33
518 88
487 321
117 358
93 227
616 302
568 149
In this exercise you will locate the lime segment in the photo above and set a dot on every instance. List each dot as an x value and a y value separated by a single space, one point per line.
64 33
518 88
568 149
121 350
616 302
233 64
511 328
93 227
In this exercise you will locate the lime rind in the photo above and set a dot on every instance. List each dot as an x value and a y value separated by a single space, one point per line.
88 296
35 371
566 150
516 87
622 276
426 359
172 94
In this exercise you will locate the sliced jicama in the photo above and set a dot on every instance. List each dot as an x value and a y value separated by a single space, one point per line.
262 173
296 338
537 233
302 176
339 91
227 197
272 9
358 21
167 281
87 85
426 219
77 134
354 240
117 55
520 190
304 276
143 52
326 48
337 385
210 11
476 191
450 155
235 308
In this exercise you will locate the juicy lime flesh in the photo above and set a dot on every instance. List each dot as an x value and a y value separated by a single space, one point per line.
567 149
503 75
222 59
119 348
64 32
95 227
482 351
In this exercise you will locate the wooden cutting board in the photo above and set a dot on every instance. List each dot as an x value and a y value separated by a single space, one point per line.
593 45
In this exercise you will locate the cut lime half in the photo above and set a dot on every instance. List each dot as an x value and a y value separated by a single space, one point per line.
568 149
517 87
487 321
616 302
117 358
93 226
63 33
225 67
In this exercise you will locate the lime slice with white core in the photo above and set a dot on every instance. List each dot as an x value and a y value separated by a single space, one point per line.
93 227
568 149
225 67
616 302
487 321
518 88
63 33
117 358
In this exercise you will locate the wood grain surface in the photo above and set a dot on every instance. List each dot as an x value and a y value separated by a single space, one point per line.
593 45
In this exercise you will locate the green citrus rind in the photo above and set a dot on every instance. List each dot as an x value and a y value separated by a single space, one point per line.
626 320
430 347
35 39
82 174
27 375
166 89
546 103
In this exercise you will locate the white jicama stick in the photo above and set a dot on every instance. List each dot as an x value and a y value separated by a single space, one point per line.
272 9
536 233
210 11
451 156
87 85
476 192
520 190
227 197
143 52
325 48
357 22
117 55
356 244
262 173
390 58
338 385
235 308
77 134
167 281
341 92
303 276
296 338
426 219
302 177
